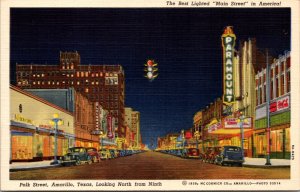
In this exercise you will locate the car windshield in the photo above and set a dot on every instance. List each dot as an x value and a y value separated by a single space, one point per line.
72 150
233 149
90 150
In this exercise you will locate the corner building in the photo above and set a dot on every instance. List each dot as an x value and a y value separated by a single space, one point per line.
99 83
279 109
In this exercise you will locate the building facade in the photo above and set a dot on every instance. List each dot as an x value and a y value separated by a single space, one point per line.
32 133
99 83
279 109
82 109
132 121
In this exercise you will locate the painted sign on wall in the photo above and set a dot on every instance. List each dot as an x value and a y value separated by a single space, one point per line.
280 104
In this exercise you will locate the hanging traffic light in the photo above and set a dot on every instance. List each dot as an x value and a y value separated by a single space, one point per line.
151 70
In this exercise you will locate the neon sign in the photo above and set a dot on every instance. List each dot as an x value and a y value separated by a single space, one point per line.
228 43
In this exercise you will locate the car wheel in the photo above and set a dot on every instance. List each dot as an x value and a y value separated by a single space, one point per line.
95 159
78 161
89 160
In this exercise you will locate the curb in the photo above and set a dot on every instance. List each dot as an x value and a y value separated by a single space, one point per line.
266 166
31 168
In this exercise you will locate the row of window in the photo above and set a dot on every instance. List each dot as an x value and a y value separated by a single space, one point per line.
54 82
280 83
78 74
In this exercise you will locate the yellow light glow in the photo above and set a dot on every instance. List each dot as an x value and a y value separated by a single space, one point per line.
55 115
60 122
51 122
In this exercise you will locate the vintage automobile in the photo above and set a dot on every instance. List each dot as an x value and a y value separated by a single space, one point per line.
230 155
105 154
94 154
190 153
205 155
76 156
113 153
213 154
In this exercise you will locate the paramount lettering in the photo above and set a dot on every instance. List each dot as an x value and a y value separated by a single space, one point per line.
228 40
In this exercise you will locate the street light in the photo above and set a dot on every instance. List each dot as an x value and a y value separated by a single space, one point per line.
241 121
101 136
55 121
268 108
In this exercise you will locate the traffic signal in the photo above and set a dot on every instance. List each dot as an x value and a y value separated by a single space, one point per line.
151 70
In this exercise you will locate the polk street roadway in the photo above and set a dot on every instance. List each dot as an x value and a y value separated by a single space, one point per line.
151 165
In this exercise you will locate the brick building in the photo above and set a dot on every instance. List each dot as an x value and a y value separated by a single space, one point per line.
99 83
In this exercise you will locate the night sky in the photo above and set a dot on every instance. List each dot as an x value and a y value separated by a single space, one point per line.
186 44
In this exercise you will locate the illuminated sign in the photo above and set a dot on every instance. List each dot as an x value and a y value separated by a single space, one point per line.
97 115
109 127
214 127
280 104
19 117
188 135
234 123
228 43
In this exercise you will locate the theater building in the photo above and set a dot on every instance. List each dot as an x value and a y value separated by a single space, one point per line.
280 109
99 83
31 130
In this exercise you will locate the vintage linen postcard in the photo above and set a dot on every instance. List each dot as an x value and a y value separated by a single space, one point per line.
138 95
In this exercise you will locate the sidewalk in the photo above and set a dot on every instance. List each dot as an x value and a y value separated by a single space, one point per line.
21 166
249 162
260 163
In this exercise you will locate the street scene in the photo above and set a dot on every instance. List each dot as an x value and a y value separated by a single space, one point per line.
152 165
150 94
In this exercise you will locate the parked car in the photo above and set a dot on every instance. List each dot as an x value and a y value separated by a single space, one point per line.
113 153
213 153
190 153
94 154
76 156
105 154
230 155
205 155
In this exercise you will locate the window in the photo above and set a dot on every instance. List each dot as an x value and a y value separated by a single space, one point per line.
282 84
288 81
271 90
277 87
265 93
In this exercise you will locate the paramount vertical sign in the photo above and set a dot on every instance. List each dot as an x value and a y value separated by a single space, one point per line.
228 43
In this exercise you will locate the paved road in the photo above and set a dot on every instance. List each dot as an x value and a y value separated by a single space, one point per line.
151 165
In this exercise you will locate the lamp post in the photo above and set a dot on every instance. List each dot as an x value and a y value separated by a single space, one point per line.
241 121
56 121
101 136
268 108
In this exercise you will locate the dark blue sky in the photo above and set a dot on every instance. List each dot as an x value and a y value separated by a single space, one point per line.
186 44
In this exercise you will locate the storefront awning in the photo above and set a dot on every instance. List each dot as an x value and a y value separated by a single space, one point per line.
230 126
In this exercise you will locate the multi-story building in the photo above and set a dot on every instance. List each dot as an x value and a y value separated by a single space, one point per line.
279 109
82 109
132 120
99 83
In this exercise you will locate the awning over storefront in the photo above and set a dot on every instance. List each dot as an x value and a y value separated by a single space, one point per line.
229 126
